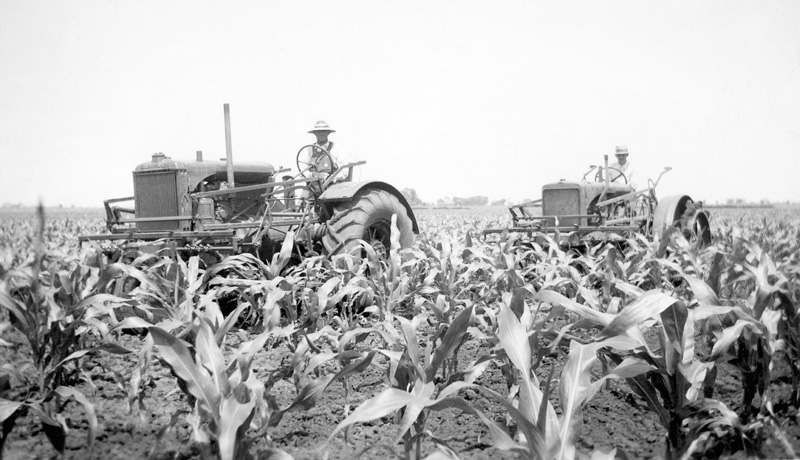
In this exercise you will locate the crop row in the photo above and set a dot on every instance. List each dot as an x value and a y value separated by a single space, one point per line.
660 316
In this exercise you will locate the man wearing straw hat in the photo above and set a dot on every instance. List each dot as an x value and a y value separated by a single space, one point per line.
621 167
322 163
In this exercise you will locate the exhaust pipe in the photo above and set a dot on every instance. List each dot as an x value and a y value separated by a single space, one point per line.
228 148
605 179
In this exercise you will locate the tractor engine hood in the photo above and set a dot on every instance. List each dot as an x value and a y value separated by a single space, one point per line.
197 171
571 202
590 189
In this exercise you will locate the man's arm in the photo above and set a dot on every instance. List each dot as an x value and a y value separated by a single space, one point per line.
629 173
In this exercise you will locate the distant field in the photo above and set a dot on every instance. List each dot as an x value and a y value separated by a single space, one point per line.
54 211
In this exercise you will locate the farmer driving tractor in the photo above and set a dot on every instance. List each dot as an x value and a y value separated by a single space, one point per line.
622 167
317 159
319 162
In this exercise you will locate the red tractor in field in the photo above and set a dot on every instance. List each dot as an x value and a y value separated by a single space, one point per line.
598 208
218 207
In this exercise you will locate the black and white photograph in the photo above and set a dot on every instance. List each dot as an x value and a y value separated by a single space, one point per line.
429 230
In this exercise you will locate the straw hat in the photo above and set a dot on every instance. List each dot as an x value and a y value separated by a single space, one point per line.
322 126
622 150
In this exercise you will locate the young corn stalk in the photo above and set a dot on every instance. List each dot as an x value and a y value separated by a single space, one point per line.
56 310
756 332
543 434
413 389
673 383
413 386
225 397
770 306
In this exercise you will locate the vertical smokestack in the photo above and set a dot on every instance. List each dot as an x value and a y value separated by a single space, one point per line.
228 149
199 155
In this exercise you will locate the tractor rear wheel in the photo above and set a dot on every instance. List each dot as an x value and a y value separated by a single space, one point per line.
367 216
683 213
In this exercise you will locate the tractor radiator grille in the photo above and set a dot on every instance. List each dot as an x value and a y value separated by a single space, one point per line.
156 195
561 202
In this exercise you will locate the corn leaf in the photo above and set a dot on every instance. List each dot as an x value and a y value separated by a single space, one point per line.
629 289
452 338
422 392
91 415
650 304
308 395
702 291
317 360
385 403
412 345
704 312
55 431
514 340
118 270
554 298
324 292
575 387
209 355
517 302
145 354
394 250
7 408
536 446
198 381
729 336
194 275
674 320
500 437
16 308
633 370
695 374
109 347
132 322
345 338
233 415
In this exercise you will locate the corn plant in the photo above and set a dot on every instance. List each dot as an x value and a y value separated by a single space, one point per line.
543 433
413 390
225 397
770 305
53 305
677 381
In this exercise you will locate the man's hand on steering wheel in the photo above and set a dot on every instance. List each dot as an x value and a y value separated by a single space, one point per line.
309 165
598 177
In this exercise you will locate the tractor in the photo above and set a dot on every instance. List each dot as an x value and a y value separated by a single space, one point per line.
599 208
218 208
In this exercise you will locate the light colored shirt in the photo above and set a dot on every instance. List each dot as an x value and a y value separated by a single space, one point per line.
627 169
322 163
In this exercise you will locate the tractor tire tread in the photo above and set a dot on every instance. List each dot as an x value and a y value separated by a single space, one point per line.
347 224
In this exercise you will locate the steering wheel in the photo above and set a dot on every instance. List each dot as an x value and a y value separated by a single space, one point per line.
597 177
306 165
591 168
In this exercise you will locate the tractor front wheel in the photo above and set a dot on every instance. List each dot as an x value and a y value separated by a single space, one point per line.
367 216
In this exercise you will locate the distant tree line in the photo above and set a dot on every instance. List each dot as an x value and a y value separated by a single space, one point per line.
478 200
411 196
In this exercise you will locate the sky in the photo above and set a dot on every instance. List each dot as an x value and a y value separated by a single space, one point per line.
449 98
